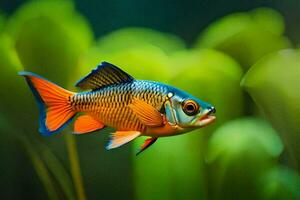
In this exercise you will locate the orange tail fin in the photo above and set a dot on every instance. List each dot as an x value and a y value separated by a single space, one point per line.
54 103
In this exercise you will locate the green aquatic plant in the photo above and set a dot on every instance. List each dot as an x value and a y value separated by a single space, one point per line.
11 106
239 152
131 48
273 83
75 167
41 157
280 183
134 61
10 98
40 168
228 160
246 36
127 38
56 180
58 171
52 51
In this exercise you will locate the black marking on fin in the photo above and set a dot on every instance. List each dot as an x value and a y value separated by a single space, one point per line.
148 142
105 74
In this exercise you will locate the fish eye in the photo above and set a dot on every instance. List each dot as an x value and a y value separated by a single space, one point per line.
190 107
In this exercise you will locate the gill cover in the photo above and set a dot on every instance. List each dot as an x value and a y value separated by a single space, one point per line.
170 112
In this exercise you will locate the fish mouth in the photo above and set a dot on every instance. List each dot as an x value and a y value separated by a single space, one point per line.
206 120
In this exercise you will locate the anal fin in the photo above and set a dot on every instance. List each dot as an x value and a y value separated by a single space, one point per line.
86 124
121 137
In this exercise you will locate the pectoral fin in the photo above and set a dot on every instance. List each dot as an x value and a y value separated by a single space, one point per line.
86 124
148 142
146 113
121 137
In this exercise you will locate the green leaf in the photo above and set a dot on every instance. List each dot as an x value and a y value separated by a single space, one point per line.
135 50
39 166
173 168
19 115
273 83
246 36
269 19
13 88
238 153
56 169
75 167
280 183
238 136
50 36
134 61
133 37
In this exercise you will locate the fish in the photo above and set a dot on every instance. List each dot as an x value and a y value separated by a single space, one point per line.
110 97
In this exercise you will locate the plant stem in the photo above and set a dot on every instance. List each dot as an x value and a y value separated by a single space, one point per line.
75 167
56 168
39 166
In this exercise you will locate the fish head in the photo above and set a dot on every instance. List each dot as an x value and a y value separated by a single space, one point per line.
187 111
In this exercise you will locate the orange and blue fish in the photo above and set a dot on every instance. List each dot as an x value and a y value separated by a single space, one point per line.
115 99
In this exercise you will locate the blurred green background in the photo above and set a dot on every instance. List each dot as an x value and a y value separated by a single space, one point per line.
241 56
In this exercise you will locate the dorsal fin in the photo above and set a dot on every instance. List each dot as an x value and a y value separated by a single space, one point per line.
105 74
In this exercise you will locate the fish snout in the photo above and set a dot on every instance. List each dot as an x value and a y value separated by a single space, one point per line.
212 110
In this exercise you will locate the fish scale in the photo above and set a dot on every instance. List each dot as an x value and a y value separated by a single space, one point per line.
110 104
